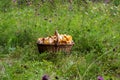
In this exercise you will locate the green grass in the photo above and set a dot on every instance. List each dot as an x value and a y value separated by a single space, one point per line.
93 26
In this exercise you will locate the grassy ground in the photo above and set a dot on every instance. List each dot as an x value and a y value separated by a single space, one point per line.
95 28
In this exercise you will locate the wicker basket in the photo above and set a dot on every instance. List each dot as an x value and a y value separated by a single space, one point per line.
55 47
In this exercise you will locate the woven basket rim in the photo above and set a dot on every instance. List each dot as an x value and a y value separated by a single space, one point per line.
56 44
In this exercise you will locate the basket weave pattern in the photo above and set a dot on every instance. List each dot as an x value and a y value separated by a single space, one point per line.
54 48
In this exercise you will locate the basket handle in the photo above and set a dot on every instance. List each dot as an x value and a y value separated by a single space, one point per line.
57 35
